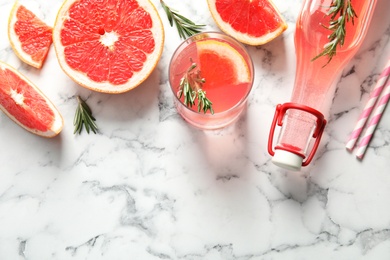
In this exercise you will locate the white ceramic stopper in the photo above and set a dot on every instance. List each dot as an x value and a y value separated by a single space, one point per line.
287 160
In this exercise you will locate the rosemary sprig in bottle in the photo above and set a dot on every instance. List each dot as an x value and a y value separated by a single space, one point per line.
185 26
191 88
83 117
340 12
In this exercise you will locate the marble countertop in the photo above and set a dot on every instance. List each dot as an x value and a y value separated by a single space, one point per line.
149 186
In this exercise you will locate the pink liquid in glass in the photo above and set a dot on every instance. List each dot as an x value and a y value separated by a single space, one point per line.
228 99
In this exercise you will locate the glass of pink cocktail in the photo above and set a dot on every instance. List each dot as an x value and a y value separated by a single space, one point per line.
218 66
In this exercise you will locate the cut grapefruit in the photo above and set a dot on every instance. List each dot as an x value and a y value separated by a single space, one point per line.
252 22
109 46
227 74
221 64
25 104
29 36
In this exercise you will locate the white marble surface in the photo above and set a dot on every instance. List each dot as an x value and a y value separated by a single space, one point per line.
149 186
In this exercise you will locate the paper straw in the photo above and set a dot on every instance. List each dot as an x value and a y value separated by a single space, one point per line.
378 112
369 106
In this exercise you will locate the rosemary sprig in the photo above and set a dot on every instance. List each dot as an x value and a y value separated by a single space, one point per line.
340 12
191 88
83 117
185 26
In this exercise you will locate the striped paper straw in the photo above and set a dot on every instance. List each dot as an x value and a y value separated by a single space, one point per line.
369 106
378 112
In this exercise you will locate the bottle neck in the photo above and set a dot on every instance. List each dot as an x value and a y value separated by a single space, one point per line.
316 76
315 79
300 126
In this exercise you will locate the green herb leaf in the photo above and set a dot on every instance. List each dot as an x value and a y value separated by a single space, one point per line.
340 12
83 117
184 26
191 88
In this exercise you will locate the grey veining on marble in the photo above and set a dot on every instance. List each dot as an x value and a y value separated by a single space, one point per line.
149 186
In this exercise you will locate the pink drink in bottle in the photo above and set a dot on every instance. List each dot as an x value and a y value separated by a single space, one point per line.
303 119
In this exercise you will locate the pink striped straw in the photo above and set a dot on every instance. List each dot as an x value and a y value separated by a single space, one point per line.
369 106
378 112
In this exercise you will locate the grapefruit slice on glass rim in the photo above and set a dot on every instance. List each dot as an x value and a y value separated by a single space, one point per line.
108 46
221 64
26 105
253 22
225 70
29 36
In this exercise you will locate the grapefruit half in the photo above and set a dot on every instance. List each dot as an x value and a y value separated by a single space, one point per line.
252 22
26 105
29 36
108 46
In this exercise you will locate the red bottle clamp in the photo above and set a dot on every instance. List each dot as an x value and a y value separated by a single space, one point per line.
281 110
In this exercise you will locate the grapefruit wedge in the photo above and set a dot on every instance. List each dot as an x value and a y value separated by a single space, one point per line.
26 105
254 22
108 46
29 36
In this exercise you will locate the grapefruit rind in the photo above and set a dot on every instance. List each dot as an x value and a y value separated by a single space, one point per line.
15 42
106 87
57 123
244 37
225 50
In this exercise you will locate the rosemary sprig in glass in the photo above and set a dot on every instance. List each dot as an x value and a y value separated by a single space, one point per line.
83 117
191 88
340 12
185 26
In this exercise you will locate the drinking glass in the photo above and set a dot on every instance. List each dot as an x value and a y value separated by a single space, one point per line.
229 100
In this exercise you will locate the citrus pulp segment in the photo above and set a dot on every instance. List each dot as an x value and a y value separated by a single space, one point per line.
29 36
252 22
221 64
26 105
109 46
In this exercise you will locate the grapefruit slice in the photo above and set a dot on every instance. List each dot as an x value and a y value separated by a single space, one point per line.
26 105
108 46
221 64
29 36
226 72
252 22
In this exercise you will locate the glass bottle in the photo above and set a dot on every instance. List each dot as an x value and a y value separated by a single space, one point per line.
303 119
